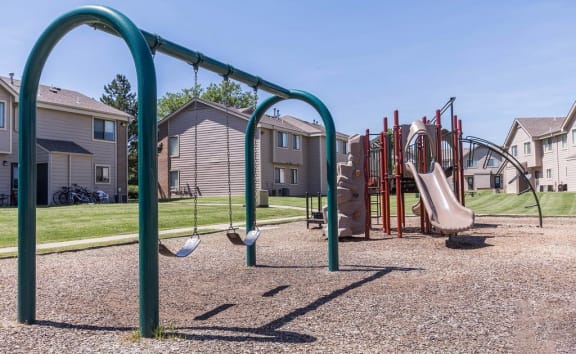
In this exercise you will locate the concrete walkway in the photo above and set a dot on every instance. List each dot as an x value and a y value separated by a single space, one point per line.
134 236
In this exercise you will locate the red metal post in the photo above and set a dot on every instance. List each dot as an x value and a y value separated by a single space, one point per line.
427 227
367 196
461 160
398 172
456 158
384 181
439 138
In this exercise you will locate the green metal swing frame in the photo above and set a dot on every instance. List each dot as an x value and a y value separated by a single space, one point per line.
141 44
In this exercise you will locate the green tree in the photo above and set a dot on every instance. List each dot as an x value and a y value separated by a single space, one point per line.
119 95
227 92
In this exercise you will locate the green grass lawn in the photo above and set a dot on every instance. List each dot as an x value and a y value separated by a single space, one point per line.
73 222
88 221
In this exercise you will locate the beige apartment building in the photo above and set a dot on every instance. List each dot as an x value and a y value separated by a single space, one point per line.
546 147
79 141
290 157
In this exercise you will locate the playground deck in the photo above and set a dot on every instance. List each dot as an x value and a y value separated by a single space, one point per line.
515 294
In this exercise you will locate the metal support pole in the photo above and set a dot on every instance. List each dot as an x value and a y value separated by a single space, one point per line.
398 172
456 155
384 181
333 262
461 160
180 52
147 166
367 179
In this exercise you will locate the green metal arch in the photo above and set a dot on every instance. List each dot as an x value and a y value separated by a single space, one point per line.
330 171
147 163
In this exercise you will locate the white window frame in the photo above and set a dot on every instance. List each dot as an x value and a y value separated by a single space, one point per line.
94 119
96 174
547 144
574 136
344 149
492 162
514 150
548 173
564 141
294 176
297 142
474 163
279 175
3 119
282 140
175 188
527 148
177 152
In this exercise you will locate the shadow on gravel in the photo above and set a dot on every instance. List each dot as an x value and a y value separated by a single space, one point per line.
270 332
467 242
86 327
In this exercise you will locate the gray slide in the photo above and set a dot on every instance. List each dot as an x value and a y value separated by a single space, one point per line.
446 214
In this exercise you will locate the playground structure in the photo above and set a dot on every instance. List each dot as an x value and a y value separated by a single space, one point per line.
396 165
142 46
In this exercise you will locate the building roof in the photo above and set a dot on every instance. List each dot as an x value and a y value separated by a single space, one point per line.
62 146
537 128
284 122
55 96
540 127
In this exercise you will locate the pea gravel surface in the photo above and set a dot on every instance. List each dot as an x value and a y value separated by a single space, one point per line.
505 286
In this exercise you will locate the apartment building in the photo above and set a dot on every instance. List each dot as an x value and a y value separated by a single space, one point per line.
290 156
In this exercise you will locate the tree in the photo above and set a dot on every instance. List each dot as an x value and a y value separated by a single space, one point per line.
226 92
119 95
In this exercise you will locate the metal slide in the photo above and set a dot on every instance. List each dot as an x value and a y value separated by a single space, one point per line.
446 214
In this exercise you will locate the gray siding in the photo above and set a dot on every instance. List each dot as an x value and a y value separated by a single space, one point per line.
78 128
212 157
5 133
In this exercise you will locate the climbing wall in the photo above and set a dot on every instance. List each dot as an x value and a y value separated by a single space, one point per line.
350 182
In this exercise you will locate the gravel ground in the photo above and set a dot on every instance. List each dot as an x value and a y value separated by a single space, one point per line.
514 293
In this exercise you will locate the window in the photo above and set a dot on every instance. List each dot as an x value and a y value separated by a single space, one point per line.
573 136
296 142
470 181
2 115
104 130
471 163
514 150
497 182
491 162
564 141
102 174
341 146
173 146
548 173
282 139
279 175
174 180
293 176
537 174
548 145
527 148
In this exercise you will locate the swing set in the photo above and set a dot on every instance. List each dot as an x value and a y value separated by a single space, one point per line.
142 45
193 240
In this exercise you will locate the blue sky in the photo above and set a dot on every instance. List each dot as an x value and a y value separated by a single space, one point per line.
500 59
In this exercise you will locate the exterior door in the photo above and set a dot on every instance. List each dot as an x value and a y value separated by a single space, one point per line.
42 184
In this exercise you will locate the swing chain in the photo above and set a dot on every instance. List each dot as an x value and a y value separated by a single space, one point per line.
228 164
254 226
195 195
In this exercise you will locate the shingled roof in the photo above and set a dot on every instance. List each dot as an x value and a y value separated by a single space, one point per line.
540 127
62 146
285 122
66 98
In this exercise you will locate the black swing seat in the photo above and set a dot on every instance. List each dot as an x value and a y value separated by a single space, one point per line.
189 247
250 239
